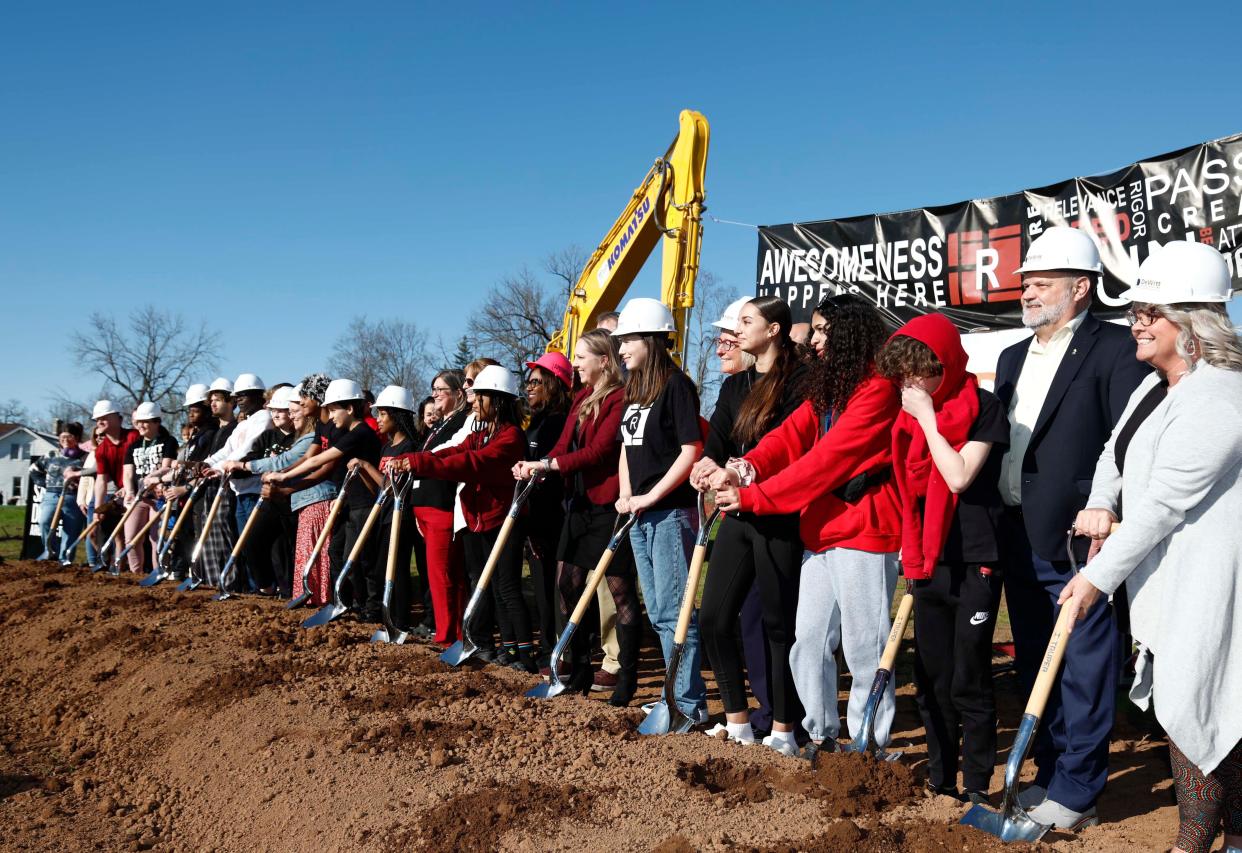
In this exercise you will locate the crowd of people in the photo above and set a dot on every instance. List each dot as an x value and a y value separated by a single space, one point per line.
839 463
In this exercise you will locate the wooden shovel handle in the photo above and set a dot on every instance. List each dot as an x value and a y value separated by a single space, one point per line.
592 583
691 593
1049 666
120 525
327 527
146 527
394 541
211 518
895 635
60 502
493 558
245 534
183 515
376 509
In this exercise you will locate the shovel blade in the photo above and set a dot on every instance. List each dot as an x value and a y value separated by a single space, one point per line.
546 689
381 636
1016 825
152 578
295 603
222 596
325 615
187 585
458 653
665 720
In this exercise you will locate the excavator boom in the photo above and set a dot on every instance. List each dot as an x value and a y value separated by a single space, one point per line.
667 204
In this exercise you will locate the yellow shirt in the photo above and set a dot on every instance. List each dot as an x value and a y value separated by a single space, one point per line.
1038 370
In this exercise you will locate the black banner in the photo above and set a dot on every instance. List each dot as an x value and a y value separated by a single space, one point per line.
960 258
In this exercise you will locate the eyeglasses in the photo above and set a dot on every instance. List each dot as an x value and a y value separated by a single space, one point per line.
534 382
1143 316
725 345
435 390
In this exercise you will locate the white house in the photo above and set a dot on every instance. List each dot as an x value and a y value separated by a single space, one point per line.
19 446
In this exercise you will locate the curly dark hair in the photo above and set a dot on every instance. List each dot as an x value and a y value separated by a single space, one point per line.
855 335
903 357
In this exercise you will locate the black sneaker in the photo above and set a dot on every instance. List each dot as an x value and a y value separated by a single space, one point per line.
488 655
811 750
976 798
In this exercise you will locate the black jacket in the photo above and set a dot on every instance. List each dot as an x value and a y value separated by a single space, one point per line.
1087 395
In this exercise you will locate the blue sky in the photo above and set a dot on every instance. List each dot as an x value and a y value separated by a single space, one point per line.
278 168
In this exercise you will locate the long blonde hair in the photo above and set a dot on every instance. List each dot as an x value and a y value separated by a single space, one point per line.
601 344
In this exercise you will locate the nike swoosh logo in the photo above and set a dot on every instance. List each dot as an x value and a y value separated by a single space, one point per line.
978 619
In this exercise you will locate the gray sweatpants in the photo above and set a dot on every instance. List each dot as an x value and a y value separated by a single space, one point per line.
844 598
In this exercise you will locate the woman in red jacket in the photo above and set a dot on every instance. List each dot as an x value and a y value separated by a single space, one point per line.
831 462
483 463
586 456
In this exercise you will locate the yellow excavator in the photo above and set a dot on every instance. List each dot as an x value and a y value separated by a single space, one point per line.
669 204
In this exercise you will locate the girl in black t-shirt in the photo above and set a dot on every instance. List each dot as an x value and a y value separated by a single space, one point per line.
146 462
660 440
947 444
397 426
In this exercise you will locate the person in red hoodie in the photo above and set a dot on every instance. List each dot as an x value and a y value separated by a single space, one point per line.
484 464
831 461
947 448
587 455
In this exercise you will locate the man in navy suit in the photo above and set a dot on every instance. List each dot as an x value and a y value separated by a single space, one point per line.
1064 390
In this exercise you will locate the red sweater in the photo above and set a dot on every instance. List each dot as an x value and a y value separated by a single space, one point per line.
796 470
110 458
486 469
599 447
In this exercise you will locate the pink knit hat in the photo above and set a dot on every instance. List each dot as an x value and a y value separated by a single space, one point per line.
557 365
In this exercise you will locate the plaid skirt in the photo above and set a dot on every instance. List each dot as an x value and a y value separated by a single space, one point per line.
311 521
220 538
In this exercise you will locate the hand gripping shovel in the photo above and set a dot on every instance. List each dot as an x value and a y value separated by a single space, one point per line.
389 632
864 741
1012 823
190 581
160 572
667 717
226 574
336 607
120 525
554 685
457 653
320 542
60 503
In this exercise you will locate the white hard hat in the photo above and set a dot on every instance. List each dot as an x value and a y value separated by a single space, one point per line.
196 393
496 378
642 316
1061 248
395 397
282 397
1182 272
248 382
147 412
342 391
728 320
221 384
102 408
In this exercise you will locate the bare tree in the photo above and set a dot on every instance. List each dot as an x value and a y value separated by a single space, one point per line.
711 298
567 264
13 411
382 352
517 319
149 357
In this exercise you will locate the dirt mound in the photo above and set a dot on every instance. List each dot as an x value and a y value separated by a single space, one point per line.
151 719
476 821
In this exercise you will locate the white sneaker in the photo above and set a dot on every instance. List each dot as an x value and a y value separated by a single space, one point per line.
1031 796
744 735
1051 813
785 746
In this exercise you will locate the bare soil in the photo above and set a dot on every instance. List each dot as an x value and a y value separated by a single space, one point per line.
153 720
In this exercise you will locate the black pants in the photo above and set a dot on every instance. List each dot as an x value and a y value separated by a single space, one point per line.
542 537
269 550
954 617
399 605
344 535
750 549
505 604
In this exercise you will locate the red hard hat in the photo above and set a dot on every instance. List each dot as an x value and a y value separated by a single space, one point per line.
556 364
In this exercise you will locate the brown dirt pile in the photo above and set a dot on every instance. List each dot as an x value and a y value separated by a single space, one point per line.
142 719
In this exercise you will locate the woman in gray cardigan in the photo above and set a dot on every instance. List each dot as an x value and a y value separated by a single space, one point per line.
1170 473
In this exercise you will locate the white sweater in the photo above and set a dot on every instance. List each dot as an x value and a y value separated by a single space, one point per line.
1179 552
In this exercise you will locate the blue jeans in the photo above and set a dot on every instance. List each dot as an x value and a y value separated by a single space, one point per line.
243 505
71 524
663 541
92 553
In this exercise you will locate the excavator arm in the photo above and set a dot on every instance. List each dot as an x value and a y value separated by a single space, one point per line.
667 204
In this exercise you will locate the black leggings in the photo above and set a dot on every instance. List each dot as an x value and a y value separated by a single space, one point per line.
542 539
506 600
750 549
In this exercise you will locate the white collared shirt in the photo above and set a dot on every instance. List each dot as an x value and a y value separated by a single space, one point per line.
1034 380
238 445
